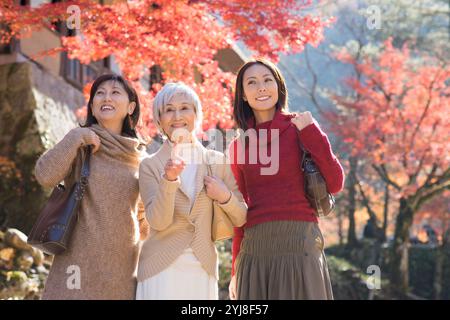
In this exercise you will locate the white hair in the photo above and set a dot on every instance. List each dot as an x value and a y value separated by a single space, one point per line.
164 96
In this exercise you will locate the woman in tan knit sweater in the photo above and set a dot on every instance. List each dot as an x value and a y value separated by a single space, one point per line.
179 259
101 260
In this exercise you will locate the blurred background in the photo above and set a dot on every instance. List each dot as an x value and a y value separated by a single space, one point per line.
375 74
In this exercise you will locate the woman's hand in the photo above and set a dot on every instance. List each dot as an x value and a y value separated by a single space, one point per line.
88 137
302 120
216 189
173 169
174 166
232 288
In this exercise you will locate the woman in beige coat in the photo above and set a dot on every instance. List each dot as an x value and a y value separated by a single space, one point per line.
101 260
179 259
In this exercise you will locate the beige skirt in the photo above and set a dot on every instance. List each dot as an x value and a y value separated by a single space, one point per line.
283 260
184 279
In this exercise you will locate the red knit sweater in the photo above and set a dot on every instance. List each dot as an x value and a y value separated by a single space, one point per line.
281 196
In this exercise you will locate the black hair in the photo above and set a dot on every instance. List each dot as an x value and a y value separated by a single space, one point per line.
130 122
242 110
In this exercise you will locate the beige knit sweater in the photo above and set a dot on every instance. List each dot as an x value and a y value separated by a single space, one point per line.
174 226
105 244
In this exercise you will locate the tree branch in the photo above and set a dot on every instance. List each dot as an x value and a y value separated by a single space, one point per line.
434 191
382 172
444 176
423 190
424 113
413 177
366 201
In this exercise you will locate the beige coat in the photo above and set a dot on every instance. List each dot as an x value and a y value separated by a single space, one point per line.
174 226
104 248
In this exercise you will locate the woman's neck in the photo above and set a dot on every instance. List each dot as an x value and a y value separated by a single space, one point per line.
115 128
264 115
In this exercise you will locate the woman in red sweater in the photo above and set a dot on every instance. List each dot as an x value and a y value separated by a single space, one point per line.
278 253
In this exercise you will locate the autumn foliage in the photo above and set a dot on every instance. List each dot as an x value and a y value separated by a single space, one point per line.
397 117
182 36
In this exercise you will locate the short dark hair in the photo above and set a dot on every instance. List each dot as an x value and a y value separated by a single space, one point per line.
130 122
242 110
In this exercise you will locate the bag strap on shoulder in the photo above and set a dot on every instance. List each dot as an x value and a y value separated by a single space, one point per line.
85 167
84 175
306 154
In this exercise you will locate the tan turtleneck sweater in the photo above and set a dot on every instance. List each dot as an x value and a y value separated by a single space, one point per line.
174 224
105 244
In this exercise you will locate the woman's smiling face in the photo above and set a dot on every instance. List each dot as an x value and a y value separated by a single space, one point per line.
111 103
260 88
178 115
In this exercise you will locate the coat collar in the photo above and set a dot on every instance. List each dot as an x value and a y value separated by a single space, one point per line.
119 147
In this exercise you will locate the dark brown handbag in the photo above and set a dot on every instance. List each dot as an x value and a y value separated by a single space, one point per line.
315 186
52 230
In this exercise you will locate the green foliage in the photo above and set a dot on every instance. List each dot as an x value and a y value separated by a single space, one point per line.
446 276
422 264
224 251
347 280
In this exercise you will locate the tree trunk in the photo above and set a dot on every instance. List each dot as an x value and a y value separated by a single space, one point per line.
340 229
385 212
352 241
439 269
399 252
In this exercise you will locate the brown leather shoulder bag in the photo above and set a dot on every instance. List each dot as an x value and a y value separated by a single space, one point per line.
52 230
315 186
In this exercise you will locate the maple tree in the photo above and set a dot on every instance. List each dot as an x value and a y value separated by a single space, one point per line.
436 214
181 36
425 30
398 123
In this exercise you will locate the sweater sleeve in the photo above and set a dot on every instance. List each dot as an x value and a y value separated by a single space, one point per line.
316 142
235 207
144 228
158 196
238 231
56 164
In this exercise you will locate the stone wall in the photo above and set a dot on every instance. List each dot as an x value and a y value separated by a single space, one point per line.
36 111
